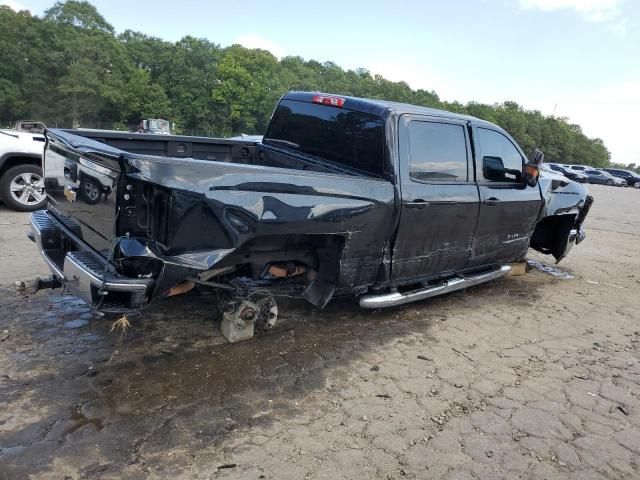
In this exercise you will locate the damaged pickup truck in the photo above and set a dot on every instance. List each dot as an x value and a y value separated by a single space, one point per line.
388 202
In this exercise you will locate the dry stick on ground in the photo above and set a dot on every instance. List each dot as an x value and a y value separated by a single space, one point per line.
121 324
463 354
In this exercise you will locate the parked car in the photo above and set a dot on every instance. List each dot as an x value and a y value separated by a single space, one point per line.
632 178
343 196
577 168
604 178
154 126
21 181
571 174
29 126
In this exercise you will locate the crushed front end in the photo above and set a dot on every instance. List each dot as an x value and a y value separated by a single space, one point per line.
567 204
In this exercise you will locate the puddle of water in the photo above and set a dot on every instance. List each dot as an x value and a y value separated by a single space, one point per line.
549 269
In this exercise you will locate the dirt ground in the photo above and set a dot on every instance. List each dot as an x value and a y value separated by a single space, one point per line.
534 377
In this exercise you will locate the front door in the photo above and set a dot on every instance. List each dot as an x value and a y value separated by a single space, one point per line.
439 199
509 208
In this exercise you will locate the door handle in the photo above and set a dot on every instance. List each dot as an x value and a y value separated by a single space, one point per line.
492 201
418 203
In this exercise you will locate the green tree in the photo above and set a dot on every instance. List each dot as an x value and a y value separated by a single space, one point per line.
144 99
69 67
92 63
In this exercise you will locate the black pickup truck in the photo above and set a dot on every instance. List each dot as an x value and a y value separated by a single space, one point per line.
342 196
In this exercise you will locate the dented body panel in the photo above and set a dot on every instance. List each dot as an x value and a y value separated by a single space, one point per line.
566 204
246 216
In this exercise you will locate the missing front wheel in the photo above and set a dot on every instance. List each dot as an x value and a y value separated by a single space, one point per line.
241 316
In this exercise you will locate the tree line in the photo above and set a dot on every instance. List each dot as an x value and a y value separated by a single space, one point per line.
70 68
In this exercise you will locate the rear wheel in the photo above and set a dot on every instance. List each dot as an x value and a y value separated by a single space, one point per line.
22 188
636 185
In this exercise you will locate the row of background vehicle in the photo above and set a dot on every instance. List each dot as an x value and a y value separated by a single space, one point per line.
603 176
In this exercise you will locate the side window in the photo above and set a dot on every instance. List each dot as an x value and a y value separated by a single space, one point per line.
437 152
501 160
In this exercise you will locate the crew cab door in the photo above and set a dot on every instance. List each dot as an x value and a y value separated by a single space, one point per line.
439 198
509 208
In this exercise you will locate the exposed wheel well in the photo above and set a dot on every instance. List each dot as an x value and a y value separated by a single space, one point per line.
15 160
319 255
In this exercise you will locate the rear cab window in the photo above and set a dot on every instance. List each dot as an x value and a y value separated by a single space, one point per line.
348 139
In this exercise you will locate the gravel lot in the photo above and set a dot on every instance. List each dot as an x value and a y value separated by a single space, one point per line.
533 376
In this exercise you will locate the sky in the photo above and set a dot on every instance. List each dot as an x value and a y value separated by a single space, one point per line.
573 58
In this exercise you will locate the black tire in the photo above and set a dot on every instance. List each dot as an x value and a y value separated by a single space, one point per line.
22 188
609 182
636 185
90 190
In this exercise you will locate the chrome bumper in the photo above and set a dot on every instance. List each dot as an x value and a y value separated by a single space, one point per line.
84 272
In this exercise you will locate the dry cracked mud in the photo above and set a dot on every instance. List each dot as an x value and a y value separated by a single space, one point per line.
533 377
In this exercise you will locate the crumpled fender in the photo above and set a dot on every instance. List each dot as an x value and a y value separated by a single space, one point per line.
562 196
566 204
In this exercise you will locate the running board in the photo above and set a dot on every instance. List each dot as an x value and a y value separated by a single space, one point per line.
450 285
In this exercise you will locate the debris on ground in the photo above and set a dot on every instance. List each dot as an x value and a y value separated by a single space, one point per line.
122 325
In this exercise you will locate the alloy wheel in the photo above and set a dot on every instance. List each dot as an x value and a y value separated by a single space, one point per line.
27 189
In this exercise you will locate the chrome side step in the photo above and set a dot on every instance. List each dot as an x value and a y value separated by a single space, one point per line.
450 285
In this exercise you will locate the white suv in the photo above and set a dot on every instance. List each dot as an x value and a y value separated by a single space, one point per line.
21 181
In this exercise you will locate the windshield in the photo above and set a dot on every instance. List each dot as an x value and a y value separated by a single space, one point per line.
345 137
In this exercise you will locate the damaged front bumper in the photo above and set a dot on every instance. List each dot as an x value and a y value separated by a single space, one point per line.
84 272
577 234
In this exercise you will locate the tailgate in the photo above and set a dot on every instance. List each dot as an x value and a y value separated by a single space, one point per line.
81 181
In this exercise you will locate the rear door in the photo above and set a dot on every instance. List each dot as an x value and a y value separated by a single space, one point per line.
439 198
509 208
